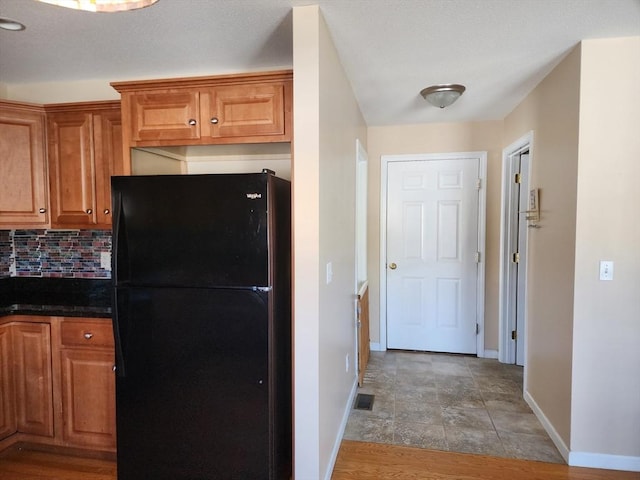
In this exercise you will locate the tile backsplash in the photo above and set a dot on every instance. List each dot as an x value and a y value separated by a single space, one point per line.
53 253
6 251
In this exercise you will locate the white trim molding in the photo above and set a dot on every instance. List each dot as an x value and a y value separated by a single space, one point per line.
490 353
506 346
343 426
553 434
602 460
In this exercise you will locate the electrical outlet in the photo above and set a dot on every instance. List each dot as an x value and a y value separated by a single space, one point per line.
105 260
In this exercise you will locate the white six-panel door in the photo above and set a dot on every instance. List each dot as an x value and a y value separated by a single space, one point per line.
432 254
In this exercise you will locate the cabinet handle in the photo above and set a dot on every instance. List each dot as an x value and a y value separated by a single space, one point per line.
43 210
214 120
88 335
89 211
192 121
107 211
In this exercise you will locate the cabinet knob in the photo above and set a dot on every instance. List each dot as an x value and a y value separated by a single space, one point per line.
192 121
107 211
89 211
214 120
43 210
88 335
113 368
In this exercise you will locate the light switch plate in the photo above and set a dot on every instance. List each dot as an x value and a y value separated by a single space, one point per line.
606 270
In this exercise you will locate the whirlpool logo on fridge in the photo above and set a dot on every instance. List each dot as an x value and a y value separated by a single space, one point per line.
253 196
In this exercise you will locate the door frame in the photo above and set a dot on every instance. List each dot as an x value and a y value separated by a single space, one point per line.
506 347
361 323
481 157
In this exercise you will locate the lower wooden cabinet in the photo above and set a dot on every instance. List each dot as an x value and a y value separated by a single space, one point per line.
8 425
57 383
32 378
88 384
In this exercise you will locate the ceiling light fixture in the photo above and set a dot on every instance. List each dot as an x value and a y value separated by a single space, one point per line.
8 24
442 95
104 6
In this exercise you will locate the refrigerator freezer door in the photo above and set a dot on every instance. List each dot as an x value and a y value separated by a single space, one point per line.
191 230
193 402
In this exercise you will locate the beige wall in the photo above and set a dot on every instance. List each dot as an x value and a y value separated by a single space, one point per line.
551 111
61 92
327 122
605 415
438 138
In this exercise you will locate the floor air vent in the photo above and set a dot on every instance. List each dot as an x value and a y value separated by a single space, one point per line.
364 401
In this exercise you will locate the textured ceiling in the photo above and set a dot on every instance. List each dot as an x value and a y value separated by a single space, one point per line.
390 49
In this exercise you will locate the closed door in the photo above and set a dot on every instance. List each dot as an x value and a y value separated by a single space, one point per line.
432 255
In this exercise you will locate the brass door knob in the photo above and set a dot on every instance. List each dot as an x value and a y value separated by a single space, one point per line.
393 266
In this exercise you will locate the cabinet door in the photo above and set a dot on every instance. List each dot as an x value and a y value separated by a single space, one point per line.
88 397
8 424
71 169
33 388
247 110
23 178
165 115
108 160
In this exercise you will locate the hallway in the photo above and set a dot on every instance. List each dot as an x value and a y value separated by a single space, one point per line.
451 403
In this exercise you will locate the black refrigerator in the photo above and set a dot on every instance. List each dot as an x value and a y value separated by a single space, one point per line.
202 325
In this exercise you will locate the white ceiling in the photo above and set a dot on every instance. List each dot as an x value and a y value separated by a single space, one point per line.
390 49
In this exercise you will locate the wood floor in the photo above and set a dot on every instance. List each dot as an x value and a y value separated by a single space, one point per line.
369 461
356 461
20 464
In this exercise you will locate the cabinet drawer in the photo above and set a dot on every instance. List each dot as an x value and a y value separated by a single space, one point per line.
85 333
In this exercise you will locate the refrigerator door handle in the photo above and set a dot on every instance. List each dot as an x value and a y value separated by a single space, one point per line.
119 368
117 214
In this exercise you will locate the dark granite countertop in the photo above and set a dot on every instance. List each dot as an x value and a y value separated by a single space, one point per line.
55 297
56 310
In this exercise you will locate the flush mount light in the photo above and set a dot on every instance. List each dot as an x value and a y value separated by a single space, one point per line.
104 6
442 95
8 24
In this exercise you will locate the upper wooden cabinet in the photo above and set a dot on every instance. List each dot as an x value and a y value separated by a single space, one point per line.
252 108
23 169
85 150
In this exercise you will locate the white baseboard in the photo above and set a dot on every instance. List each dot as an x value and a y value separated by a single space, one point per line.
490 353
582 459
376 347
343 425
602 460
553 434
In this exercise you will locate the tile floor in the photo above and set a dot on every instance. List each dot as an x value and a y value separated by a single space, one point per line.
449 402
